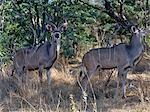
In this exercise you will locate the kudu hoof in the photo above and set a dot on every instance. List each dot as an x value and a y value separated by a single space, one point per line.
123 97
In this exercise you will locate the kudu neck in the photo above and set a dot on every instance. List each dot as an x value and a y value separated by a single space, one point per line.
136 41
53 48
135 48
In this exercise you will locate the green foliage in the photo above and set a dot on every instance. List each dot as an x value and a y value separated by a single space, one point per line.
18 30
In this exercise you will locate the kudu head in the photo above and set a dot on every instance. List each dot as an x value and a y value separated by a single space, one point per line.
56 32
139 33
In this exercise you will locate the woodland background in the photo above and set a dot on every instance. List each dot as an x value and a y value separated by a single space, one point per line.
22 23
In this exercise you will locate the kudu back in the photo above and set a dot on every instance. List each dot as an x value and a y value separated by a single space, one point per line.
122 56
42 57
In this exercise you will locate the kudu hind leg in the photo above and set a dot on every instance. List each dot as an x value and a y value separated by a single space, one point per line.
82 78
13 71
87 78
24 77
84 83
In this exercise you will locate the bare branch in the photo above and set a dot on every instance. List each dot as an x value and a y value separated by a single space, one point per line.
43 23
93 6
32 26
121 2
37 22
44 18
120 20
147 13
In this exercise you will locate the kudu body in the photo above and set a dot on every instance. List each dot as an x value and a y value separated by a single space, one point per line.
42 57
122 56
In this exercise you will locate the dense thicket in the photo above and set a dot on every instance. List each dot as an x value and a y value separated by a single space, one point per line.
24 22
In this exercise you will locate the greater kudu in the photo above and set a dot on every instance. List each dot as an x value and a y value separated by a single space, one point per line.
122 56
42 57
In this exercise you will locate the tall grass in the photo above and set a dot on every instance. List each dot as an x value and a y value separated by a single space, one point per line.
65 93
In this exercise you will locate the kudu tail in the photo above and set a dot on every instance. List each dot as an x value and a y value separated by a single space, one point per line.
82 73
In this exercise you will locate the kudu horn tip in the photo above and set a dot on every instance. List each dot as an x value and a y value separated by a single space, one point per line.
65 21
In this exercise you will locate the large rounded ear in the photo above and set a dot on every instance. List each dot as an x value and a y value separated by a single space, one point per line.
134 29
51 27
63 27
145 32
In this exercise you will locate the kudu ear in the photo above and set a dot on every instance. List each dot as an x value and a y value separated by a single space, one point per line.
134 29
145 32
63 27
51 27
140 31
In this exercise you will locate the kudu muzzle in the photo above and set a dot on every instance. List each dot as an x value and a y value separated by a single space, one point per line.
57 36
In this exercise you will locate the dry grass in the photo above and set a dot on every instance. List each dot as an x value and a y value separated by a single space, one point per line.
64 95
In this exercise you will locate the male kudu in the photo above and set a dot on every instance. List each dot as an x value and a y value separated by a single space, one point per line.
42 57
122 56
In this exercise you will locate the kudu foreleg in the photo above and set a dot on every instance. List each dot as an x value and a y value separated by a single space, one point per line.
124 77
40 74
48 73
117 88
22 75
